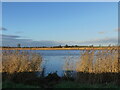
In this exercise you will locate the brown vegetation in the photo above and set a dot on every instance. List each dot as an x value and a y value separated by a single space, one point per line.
20 61
94 66
100 66
99 61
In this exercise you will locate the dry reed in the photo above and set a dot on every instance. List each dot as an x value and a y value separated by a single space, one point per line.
98 61
20 61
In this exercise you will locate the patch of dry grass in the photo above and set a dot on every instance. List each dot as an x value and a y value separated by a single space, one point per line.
20 61
98 61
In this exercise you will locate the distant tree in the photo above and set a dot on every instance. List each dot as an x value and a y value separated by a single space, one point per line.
91 46
60 46
109 45
19 45
66 46
76 45
100 45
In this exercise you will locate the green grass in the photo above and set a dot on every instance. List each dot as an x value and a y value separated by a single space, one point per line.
63 84
8 84
70 84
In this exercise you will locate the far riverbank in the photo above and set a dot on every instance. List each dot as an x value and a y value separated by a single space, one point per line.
80 48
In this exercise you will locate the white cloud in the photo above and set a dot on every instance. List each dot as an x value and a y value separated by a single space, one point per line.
104 41
13 40
9 36
101 32
2 28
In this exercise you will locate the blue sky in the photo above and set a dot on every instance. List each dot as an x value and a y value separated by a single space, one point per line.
82 23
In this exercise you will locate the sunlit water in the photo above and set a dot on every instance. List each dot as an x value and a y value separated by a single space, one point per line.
55 60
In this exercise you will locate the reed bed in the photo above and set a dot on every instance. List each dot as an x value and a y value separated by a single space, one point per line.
98 61
96 66
101 66
20 61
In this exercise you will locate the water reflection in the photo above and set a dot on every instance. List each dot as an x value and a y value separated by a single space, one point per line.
61 61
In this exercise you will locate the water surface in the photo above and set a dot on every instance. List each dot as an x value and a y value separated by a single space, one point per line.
55 60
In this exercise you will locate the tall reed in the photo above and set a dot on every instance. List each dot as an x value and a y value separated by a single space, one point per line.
20 61
98 61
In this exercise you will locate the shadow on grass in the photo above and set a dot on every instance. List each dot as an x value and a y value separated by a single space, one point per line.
30 78
53 80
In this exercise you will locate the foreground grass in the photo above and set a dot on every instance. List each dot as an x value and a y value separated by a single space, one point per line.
63 84
70 84
8 84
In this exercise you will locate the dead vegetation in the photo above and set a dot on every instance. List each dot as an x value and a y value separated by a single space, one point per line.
20 61
98 61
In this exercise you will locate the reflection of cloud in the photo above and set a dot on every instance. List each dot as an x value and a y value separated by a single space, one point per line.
13 40
2 28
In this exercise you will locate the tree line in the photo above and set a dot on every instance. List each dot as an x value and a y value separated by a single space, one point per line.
59 46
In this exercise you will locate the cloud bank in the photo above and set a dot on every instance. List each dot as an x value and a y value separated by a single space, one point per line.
101 32
13 40
2 28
